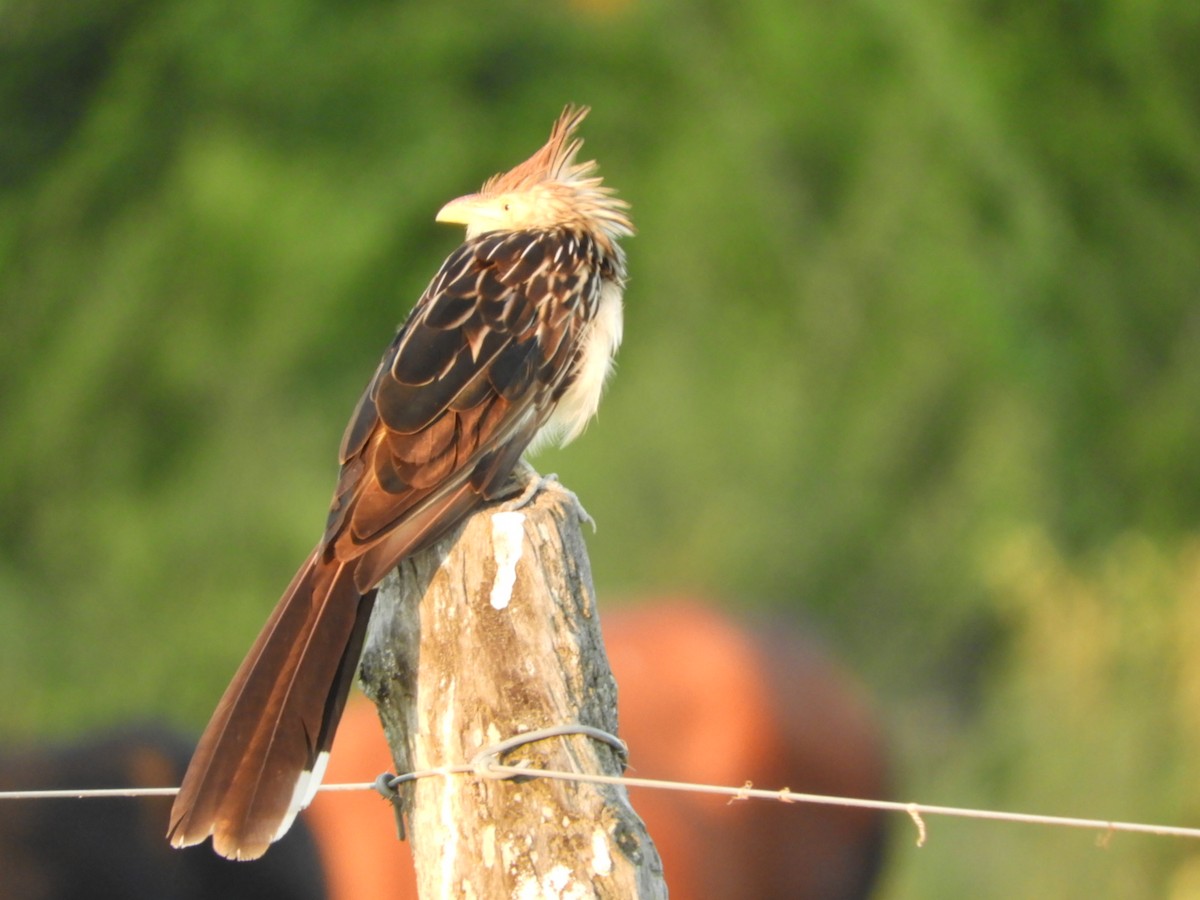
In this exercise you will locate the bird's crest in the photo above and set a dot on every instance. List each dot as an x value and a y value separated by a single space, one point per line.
555 161
554 165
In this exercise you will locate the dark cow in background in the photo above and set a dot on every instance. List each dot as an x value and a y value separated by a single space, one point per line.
116 849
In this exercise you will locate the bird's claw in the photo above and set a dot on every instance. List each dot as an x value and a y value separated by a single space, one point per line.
533 484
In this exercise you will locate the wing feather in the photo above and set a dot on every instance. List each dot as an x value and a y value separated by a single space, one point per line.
459 393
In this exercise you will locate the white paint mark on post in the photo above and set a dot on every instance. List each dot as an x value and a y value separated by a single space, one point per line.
489 845
602 863
557 879
508 541
558 883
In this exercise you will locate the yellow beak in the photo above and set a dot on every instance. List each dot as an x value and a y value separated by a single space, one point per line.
465 210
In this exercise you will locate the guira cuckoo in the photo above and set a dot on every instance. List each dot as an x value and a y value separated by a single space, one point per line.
509 345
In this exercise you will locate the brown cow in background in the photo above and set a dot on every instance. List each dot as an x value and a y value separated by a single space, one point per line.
702 699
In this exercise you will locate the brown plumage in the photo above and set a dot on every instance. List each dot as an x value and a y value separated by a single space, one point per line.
511 341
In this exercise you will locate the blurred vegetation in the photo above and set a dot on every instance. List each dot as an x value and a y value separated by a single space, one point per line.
913 352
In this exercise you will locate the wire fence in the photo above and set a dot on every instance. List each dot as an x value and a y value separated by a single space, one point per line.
486 764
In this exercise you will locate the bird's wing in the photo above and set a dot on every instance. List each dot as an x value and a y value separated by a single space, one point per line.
462 390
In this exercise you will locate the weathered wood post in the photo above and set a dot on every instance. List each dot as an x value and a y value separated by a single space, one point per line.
490 633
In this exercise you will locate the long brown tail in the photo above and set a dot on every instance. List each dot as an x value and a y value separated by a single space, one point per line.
262 755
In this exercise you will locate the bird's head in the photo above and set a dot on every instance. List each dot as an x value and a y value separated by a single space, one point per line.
548 190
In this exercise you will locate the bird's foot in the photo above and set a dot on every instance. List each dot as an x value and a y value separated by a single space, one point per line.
527 484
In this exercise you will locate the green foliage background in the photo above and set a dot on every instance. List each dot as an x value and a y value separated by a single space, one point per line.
913 353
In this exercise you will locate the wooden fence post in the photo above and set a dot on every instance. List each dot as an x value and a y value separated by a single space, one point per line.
490 633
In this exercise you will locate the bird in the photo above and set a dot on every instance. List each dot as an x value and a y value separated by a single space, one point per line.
509 347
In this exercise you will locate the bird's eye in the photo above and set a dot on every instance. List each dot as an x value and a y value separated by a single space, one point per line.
507 207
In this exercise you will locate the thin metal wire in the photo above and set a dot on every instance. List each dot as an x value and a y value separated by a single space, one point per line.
914 810
485 764
88 794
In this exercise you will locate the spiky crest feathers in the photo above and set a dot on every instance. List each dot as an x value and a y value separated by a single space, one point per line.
550 189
